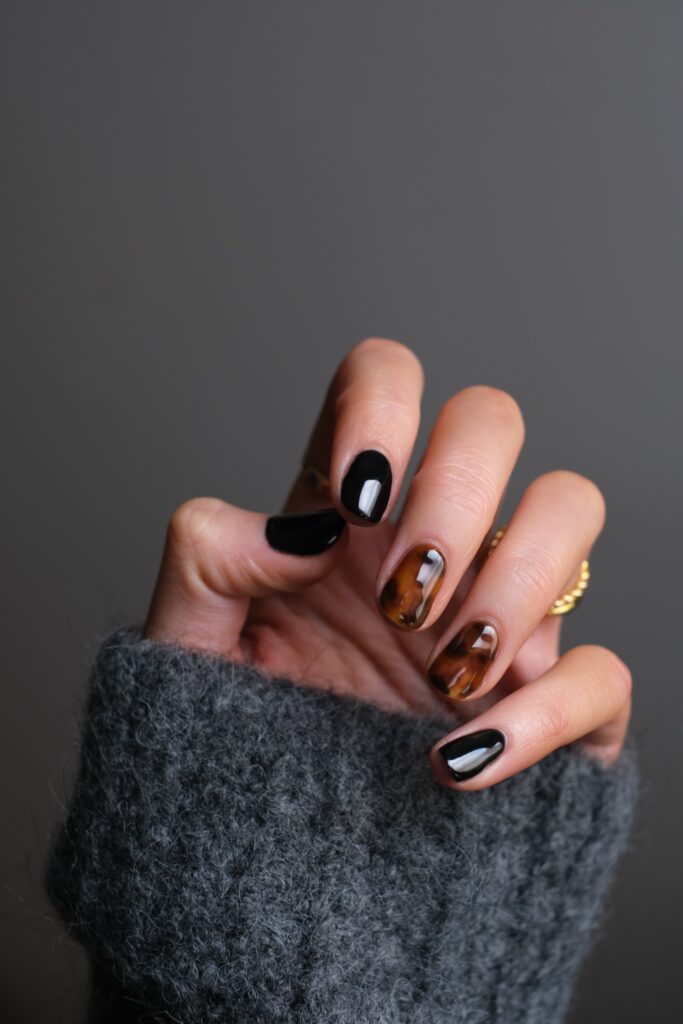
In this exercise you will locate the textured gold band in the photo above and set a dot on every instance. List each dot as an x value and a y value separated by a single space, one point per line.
566 602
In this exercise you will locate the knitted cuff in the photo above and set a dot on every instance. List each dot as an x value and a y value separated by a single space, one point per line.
240 848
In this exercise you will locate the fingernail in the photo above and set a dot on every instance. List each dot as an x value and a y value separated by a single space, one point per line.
460 668
366 487
466 756
408 594
307 533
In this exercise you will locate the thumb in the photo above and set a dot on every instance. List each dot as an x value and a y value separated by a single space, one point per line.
218 556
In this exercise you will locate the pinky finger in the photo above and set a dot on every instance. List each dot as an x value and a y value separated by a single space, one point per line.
585 696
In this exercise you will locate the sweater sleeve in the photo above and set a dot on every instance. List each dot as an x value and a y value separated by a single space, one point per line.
245 849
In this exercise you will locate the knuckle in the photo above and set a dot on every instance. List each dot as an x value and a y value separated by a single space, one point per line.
551 719
469 496
245 574
464 483
534 574
191 525
384 346
383 349
374 399
610 666
497 403
372 345
369 378
568 484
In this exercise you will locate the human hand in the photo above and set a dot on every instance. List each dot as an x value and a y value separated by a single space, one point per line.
410 615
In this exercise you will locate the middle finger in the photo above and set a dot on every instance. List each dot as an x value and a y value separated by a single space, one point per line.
451 504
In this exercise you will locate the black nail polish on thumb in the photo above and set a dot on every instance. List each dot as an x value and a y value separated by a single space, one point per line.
305 533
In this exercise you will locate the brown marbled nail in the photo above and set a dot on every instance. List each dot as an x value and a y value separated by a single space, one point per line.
460 668
408 594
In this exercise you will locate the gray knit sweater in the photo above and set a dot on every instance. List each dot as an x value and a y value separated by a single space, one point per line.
245 849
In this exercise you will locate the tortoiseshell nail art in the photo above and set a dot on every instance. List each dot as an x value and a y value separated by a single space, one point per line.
408 594
460 668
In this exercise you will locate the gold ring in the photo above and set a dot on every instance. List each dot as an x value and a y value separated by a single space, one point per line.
566 602
315 479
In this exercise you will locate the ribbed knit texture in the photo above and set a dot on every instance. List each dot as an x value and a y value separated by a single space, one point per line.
244 849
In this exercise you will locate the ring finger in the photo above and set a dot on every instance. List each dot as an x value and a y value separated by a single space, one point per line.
556 522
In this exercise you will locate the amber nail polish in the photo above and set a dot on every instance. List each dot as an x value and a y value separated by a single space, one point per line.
467 755
408 594
460 667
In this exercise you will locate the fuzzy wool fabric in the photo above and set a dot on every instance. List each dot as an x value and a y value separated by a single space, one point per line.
247 849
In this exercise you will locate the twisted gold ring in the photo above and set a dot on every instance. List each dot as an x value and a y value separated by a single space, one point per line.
566 602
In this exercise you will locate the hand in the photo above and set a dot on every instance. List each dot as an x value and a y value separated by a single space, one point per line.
409 615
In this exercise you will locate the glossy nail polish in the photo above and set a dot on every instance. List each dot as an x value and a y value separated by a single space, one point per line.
305 533
460 668
466 756
408 594
366 488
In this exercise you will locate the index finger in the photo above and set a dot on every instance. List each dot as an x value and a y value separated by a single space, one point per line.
366 430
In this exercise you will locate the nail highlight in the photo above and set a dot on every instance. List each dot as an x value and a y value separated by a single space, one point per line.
304 533
466 756
460 668
366 488
409 592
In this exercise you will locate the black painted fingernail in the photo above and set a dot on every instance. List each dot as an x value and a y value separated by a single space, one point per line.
467 755
305 533
366 487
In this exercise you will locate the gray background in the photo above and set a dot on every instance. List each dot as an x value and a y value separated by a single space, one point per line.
203 206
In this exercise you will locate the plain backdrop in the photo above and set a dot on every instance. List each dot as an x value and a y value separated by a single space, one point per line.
204 205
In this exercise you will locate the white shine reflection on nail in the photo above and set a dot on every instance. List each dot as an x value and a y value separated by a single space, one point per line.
368 496
430 568
467 761
424 573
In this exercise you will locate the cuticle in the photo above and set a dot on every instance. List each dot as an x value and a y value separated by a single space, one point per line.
461 735
427 544
438 678
468 622
361 451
